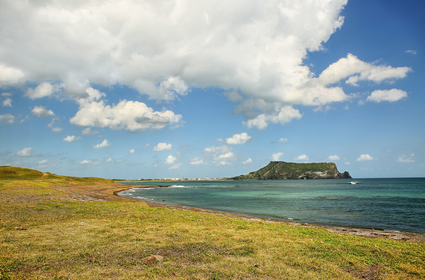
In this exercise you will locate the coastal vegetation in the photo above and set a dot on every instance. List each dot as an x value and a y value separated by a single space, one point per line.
48 230
281 170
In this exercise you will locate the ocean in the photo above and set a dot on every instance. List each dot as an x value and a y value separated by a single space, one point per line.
383 204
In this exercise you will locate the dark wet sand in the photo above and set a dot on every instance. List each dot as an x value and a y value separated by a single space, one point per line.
109 192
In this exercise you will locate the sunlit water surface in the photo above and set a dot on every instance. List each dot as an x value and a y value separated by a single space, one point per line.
390 204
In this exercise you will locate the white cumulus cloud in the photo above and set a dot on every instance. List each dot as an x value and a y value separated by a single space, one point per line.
171 88
406 159
41 112
71 138
234 96
27 152
280 115
85 162
162 147
176 166
7 119
129 115
238 139
253 50
42 90
247 161
333 158
10 75
226 156
354 70
7 102
391 95
277 156
104 144
412 51
365 157
196 161
52 127
221 155
132 151
88 131
302 158
283 140
170 159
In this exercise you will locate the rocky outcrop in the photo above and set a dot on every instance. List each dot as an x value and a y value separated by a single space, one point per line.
281 170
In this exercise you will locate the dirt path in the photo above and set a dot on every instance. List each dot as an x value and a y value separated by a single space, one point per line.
99 192
109 192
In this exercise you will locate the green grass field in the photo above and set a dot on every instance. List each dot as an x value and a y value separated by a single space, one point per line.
45 234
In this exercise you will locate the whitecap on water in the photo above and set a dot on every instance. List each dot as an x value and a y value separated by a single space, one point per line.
178 186
128 192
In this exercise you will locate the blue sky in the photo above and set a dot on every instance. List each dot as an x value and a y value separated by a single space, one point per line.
199 89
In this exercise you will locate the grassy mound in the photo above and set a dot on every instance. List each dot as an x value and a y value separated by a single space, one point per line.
17 173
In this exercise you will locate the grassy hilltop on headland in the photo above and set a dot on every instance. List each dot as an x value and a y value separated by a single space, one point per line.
22 174
59 227
281 170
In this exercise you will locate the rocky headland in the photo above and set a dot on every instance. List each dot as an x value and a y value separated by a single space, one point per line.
281 170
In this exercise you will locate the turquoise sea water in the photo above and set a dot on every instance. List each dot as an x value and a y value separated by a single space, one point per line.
390 204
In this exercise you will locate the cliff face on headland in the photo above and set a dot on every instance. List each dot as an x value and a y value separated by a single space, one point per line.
281 170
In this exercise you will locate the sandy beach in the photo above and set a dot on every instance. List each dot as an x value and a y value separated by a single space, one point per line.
109 192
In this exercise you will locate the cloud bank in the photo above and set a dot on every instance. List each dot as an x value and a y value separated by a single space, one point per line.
253 50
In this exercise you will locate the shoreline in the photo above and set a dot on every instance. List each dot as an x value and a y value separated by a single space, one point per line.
109 192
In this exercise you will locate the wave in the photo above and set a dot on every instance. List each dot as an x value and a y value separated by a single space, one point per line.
127 192
335 197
